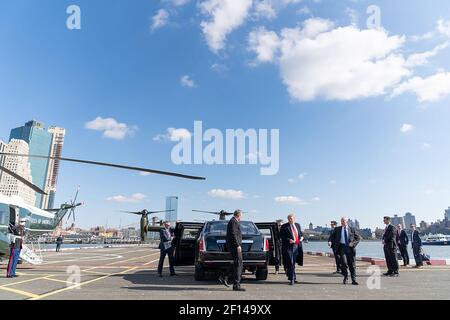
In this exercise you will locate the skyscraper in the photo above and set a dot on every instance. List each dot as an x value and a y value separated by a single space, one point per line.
10 186
409 220
57 144
447 214
172 204
42 143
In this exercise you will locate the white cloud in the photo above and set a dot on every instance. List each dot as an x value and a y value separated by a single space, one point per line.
224 16
316 199
173 135
226 194
425 146
302 175
134 198
420 59
291 180
343 63
444 28
264 43
111 128
160 19
178 3
289 200
406 127
429 191
187 82
431 89
219 68
264 9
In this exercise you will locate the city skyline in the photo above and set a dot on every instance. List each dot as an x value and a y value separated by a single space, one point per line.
128 84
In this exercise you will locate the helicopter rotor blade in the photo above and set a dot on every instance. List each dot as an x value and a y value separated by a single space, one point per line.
105 164
213 212
133 212
151 212
23 180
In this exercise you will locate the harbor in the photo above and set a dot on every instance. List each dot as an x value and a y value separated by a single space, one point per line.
129 272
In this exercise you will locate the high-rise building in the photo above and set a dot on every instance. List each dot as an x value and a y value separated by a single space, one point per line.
396 220
57 144
357 227
10 186
447 214
423 225
409 220
42 143
172 204
311 227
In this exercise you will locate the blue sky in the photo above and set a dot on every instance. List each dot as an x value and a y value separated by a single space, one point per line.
363 114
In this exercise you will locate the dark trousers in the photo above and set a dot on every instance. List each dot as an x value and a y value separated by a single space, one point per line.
404 252
347 261
58 247
162 256
289 260
237 266
336 259
390 254
417 255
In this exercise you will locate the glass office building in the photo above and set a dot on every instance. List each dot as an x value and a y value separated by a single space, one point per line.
39 141
172 204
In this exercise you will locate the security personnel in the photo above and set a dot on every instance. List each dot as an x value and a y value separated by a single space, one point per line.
390 248
166 247
332 246
17 233
234 245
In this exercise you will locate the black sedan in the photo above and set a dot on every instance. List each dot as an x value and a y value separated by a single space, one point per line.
204 246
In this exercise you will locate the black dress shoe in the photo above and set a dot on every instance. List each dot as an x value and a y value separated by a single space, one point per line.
173 274
295 281
354 283
223 280
395 274
387 274
238 288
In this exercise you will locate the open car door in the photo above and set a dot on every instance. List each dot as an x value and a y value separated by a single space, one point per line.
270 230
186 235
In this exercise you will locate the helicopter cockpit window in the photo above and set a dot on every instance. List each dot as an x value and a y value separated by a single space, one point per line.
4 214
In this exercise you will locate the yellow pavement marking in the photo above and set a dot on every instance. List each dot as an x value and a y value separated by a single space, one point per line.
56 280
80 284
21 292
24 281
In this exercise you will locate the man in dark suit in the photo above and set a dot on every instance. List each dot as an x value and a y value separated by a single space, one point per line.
416 246
291 241
390 248
166 248
345 239
402 242
331 245
278 243
234 245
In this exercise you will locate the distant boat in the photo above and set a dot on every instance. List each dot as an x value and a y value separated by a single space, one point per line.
436 240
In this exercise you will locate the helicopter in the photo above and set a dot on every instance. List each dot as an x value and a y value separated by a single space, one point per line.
39 221
222 213
145 228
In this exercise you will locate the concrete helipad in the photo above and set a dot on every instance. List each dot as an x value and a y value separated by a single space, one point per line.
130 273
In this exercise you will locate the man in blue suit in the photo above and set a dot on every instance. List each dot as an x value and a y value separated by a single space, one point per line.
166 247
416 246
291 245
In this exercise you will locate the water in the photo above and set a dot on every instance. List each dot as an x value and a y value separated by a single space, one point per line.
374 249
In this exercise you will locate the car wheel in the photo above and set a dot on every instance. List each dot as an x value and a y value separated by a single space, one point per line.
261 274
199 274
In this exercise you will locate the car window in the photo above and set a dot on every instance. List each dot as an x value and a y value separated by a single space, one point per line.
190 234
247 227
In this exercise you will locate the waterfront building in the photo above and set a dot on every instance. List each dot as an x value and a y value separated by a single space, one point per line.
42 142
396 220
409 219
57 144
172 204
311 226
447 214
10 186
423 225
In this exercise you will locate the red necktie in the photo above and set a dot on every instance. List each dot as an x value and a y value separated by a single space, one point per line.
294 229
